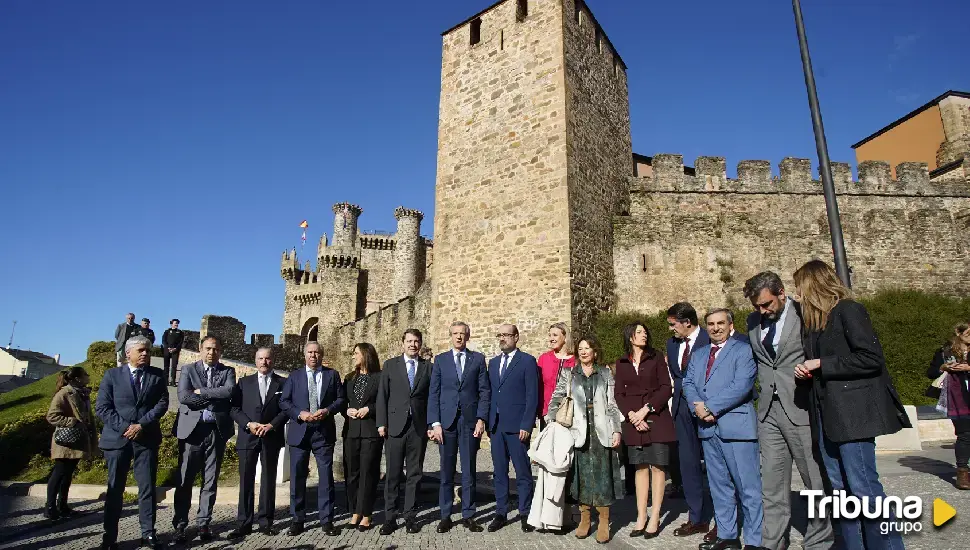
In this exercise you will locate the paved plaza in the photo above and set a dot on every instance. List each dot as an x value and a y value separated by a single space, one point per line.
926 474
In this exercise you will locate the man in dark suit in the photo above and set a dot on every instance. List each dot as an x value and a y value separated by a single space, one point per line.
172 340
131 400
784 427
204 426
311 397
719 385
256 410
457 409
514 379
686 337
123 332
402 417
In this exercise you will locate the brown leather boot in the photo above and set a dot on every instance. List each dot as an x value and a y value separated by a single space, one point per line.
963 478
585 522
603 528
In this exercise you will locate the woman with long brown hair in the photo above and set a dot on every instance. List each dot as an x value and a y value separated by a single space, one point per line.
74 439
853 398
362 443
643 390
952 359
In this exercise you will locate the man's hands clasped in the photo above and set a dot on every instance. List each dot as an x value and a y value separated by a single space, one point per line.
307 416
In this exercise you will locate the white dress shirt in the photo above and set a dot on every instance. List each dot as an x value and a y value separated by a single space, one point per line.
692 340
779 325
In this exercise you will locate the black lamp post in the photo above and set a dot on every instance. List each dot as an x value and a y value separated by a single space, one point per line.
831 206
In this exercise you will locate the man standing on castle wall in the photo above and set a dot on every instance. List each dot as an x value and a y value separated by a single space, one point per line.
457 408
123 332
311 397
514 378
402 418
172 340
146 331
203 428
686 337
784 431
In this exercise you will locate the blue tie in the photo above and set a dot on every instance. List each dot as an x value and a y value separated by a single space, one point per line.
137 383
505 363
459 364
411 373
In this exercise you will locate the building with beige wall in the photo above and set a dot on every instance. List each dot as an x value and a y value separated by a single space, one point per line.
938 133
28 364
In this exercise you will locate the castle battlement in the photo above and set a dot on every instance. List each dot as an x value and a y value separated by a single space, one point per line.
378 243
338 261
795 177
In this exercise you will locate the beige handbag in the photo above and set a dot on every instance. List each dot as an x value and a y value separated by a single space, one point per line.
564 416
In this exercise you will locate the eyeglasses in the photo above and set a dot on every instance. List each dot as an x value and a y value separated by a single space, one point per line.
504 335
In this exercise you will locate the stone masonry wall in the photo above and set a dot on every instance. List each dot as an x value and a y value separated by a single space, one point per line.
599 159
501 203
383 328
698 238
377 266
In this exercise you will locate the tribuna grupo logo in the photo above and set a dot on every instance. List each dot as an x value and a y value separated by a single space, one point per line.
900 515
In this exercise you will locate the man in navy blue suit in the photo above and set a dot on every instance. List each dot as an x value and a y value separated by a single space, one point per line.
719 385
311 397
457 408
131 400
686 337
514 379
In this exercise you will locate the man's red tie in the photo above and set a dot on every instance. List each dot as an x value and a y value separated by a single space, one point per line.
685 360
710 362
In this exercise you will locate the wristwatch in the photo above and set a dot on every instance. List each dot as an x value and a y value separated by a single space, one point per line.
708 411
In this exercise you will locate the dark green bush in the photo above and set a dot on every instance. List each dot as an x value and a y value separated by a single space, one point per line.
911 327
99 348
23 439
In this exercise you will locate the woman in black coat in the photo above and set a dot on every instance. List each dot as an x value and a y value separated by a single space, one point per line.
362 443
853 396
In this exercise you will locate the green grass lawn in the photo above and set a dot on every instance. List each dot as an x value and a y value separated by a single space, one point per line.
26 399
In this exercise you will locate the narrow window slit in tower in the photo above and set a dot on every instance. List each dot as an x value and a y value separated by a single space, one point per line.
521 10
475 34
599 41
579 11
644 263
501 39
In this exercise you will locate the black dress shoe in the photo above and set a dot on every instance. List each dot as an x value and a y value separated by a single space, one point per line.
526 528
152 542
330 529
108 546
412 526
296 529
472 525
496 524
238 533
752 547
444 525
711 535
268 530
638 532
205 534
689 529
649 535
721 544
388 527
180 537
66 511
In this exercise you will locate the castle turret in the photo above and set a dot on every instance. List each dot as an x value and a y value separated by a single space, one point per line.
406 257
345 224
289 265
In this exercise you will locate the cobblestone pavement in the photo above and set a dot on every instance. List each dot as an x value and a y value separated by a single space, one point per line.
927 474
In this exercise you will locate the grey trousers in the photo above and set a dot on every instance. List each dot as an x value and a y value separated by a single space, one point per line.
782 442
201 451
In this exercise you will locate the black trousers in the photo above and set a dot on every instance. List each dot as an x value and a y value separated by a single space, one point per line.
144 461
60 481
268 456
961 427
673 469
170 361
363 462
407 449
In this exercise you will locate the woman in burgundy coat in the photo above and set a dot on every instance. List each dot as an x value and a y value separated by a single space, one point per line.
643 390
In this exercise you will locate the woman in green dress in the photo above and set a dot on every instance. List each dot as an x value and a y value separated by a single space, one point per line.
595 479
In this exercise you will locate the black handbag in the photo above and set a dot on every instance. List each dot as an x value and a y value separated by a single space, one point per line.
71 437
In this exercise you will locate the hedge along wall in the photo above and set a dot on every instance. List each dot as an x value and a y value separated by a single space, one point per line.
911 326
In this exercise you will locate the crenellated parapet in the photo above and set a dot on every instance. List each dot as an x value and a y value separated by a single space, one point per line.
339 261
795 177
377 243
290 267
401 212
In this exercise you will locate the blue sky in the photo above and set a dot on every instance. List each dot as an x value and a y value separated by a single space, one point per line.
158 157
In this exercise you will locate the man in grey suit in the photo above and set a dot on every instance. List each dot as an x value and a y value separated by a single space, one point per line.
784 431
123 332
204 425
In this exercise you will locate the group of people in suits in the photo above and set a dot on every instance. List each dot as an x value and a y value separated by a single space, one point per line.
823 395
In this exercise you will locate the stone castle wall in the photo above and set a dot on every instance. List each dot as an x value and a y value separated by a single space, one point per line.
382 328
599 159
697 238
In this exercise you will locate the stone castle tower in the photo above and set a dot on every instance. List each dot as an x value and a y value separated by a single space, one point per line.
534 158
355 275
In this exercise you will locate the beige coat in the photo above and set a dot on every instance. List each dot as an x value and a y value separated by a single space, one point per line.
67 409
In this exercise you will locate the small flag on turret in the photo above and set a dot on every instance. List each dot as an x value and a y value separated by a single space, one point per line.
304 225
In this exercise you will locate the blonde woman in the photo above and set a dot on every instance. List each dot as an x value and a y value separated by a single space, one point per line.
952 359
70 410
853 395
560 356
595 479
